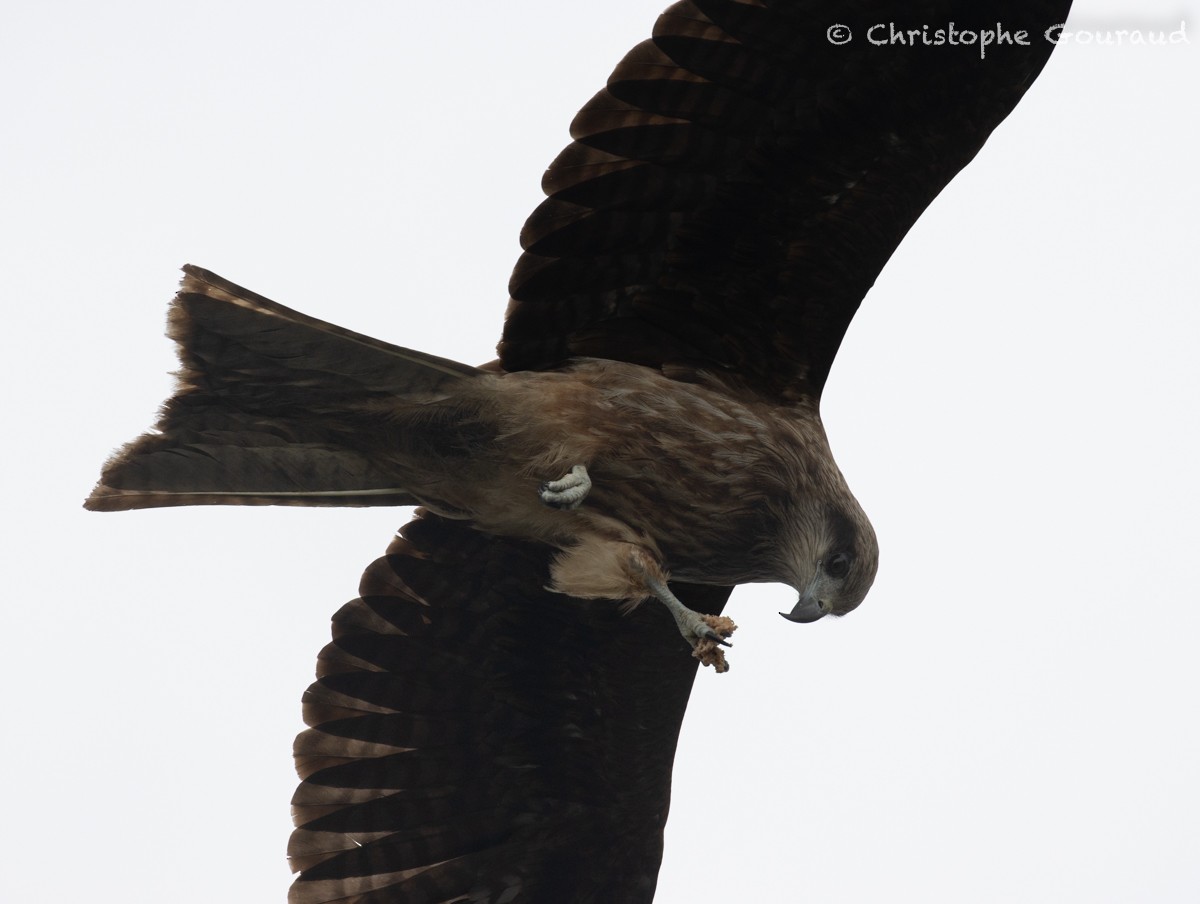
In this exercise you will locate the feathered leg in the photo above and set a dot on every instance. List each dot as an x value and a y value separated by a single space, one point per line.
601 567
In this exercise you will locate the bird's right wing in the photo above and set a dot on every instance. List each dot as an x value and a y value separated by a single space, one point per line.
477 738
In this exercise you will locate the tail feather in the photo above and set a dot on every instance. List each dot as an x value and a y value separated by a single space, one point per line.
226 331
274 407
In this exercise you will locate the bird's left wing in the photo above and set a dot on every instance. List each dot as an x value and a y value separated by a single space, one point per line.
477 738
736 188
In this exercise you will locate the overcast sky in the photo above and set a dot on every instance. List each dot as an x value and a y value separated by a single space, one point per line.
1012 715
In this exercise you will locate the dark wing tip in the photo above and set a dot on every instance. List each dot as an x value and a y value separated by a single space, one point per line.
734 191
470 730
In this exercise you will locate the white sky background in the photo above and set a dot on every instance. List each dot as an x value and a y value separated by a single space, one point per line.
1013 713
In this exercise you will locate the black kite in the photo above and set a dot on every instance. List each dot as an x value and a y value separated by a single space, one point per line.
488 724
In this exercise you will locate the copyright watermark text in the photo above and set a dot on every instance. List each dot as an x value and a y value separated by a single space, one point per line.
888 33
1060 34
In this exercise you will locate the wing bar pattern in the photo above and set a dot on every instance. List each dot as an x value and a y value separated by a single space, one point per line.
476 737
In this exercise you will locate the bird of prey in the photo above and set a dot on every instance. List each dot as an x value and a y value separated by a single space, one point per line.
496 716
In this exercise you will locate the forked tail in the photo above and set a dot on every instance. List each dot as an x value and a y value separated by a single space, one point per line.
273 407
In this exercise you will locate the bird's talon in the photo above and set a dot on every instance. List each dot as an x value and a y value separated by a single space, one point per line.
710 637
569 491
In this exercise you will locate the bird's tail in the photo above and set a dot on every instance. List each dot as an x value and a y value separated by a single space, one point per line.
273 407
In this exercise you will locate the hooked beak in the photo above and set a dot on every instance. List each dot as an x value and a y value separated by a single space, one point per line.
807 609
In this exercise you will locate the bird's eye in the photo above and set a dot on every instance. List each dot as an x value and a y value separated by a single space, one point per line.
838 566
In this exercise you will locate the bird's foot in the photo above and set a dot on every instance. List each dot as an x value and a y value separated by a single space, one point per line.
707 647
705 633
569 491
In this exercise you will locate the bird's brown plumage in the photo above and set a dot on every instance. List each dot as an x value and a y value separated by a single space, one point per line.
727 201
475 733
735 189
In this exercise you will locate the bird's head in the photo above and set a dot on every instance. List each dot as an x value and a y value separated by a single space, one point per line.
833 563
